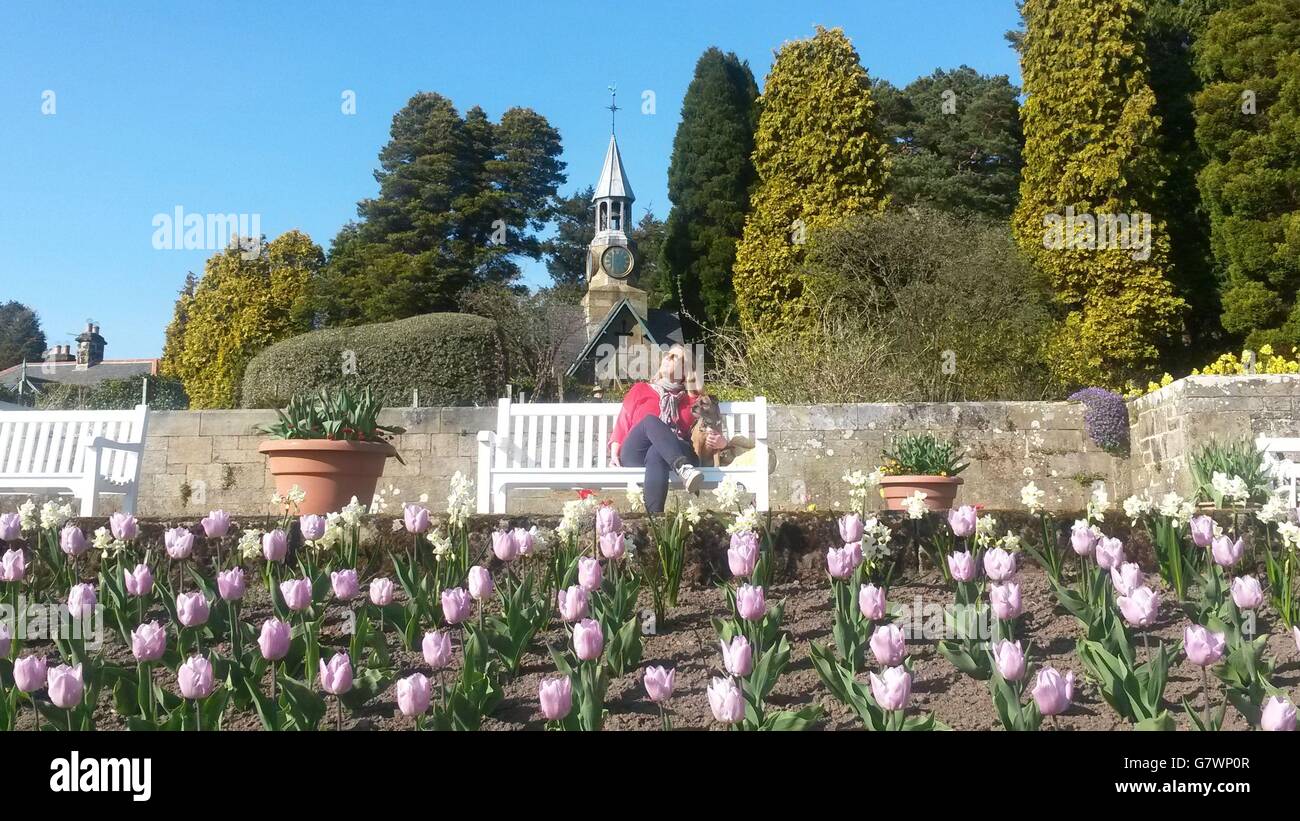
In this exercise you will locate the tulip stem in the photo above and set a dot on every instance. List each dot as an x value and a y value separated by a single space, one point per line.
338 703
1205 692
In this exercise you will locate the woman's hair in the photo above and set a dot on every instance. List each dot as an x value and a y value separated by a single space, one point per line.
691 377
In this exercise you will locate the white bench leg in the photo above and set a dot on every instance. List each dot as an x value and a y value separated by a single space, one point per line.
87 495
499 499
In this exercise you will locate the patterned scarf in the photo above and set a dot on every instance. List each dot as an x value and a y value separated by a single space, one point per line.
669 395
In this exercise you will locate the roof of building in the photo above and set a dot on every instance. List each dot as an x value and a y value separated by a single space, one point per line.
660 327
613 180
39 373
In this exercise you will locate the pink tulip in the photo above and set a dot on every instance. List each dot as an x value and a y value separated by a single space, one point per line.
1010 660
13 566
231 584
659 683
480 583
742 556
608 521
1226 552
871 601
416 518
336 675
274 545
1278 715
11 527
962 521
1202 528
72 541
590 574
555 695
437 649
1295 634
148 642
523 541
1110 553
296 593
612 545
124 526
195 678
381 591
81 600
1053 692
139 582
179 542
274 640
850 528
65 685
888 646
842 561
503 546
588 639
1140 607
572 603
192 609
726 701
892 689
1082 538
216 524
29 673
311 526
414 693
456 605
962 566
1203 647
1246 593
999 565
1005 600
344 584
1126 578
737 657
750 603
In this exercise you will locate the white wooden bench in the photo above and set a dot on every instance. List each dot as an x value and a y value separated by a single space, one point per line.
1284 470
566 446
77 453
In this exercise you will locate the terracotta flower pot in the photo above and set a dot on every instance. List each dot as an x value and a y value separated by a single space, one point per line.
330 472
940 491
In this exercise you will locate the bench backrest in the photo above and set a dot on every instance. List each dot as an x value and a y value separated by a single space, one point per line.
56 443
575 436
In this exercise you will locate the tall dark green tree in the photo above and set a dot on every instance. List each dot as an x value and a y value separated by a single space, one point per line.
651 274
566 249
956 142
21 337
710 178
460 199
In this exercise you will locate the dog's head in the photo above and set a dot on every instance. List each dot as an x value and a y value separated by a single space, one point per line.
707 410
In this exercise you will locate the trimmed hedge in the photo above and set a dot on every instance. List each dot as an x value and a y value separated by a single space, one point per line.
452 359
115 394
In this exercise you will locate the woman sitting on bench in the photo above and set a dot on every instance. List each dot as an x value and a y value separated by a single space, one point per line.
654 427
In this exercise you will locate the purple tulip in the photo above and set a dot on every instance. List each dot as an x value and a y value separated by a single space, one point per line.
1202 528
312 527
590 574
1140 607
415 518
1226 552
1082 538
11 527
274 640
726 701
345 584
962 566
480 583
1126 578
658 683
1203 647
871 601
1053 692
742 556
1010 660
608 521
296 593
65 685
503 546
216 524
523 541
139 582
850 528
999 565
72 541
274 545
1005 600
572 603
842 561
336 675
437 648
29 673
737 657
1278 715
456 605
588 639
81 600
124 526
612 545
231 584
148 642
750 602
179 542
13 566
1110 553
888 646
192 609
962 521
892 689
1295 634
414 693
381 591
1246 593
195 678
555 695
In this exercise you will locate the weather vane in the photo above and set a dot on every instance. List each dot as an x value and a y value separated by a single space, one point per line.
613 106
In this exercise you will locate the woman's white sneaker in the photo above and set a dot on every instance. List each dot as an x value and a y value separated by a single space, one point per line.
691 477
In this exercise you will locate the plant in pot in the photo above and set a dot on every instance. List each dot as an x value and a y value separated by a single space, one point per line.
921 462
331 445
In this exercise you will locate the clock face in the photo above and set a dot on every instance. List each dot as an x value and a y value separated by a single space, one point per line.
616 261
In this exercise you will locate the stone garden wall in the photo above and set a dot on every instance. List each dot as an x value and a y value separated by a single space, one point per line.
198 460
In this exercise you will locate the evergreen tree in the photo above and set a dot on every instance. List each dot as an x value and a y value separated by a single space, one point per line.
710 179
174 336
21 337
566 250
1091 146
820 157
651 273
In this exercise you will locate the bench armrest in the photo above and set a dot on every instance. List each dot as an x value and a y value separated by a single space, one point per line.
104 443
487 437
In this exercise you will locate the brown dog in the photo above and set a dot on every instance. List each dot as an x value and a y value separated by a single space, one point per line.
708 417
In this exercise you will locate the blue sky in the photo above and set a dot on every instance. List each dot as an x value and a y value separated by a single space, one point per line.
235 107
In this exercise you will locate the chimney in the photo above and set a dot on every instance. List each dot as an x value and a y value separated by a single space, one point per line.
59 353
90 347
